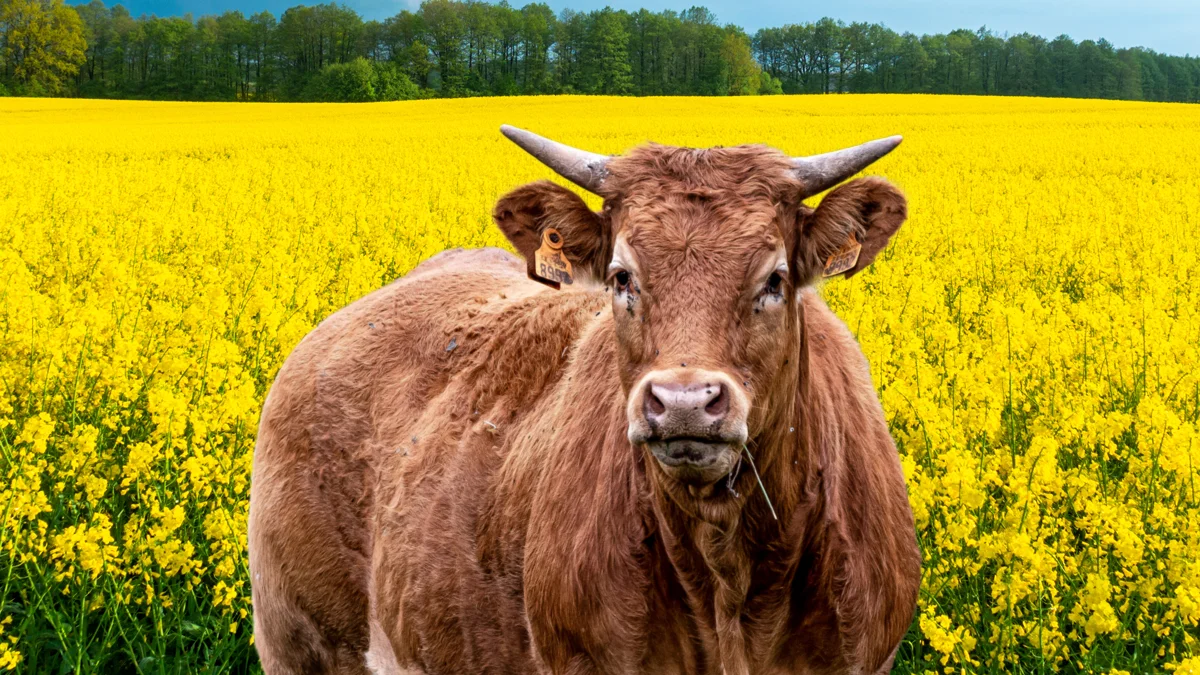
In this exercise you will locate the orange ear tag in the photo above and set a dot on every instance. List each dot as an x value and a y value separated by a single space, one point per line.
843 259
549 262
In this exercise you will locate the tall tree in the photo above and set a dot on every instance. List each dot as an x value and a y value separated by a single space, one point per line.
537 36
42 44
98 34
605 62
740 75
825 48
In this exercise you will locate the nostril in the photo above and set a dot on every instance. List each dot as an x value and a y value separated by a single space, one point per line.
654 406
719 405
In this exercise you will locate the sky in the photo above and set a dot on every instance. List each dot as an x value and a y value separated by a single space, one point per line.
1169 26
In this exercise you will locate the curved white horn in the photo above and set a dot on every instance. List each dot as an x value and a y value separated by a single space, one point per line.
585 169
821 172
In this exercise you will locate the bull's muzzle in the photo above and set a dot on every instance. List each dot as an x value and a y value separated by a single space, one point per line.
693 422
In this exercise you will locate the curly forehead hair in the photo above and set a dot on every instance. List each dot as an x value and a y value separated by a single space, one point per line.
748 171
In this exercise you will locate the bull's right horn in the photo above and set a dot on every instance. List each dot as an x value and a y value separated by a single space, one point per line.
821 172
585 169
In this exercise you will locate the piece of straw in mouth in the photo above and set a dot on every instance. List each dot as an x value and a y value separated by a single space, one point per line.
760 483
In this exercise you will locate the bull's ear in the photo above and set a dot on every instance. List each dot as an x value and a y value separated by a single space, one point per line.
531 215
865 212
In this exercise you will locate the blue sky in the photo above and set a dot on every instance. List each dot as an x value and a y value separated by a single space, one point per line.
1171 26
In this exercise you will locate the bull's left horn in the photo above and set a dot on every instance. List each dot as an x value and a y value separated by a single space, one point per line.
821 172
585 169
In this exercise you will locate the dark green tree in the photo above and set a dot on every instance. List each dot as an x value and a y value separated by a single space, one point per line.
472 47
605 59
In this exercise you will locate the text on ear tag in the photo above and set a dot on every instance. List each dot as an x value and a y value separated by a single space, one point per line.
549 262
844 258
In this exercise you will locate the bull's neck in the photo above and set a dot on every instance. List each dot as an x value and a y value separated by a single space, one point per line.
713 542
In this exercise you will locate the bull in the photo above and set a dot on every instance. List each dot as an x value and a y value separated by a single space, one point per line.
645 445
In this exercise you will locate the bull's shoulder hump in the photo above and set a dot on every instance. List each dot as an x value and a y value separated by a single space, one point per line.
422 299
459 260
469 314
394 322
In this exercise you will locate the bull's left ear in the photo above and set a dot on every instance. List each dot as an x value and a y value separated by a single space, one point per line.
870 210
563 241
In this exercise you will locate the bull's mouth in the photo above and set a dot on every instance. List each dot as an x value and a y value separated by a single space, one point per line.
695 461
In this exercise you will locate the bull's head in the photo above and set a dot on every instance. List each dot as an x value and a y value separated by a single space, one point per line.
705 252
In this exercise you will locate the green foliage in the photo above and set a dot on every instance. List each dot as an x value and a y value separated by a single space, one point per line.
830 56
350 82
740 75
605 60
360 81
768 84
391 84
415 62
471 48
41 45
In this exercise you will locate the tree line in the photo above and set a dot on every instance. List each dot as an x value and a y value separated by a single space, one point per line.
469 48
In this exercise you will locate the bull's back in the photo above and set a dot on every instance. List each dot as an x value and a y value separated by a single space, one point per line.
381 430
315 463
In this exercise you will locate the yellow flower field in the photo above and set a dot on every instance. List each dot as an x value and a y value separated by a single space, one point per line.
1034 333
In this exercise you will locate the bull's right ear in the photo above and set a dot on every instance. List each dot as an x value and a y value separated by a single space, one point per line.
544 221
853 223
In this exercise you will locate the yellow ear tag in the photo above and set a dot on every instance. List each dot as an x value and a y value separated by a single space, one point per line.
550 263
843 259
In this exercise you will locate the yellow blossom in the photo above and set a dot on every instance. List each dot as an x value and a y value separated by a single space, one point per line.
1033 332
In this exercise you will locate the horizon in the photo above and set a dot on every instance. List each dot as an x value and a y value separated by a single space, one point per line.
1165 26
1169 27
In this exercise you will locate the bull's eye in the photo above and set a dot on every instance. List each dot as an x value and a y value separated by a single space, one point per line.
621 281
774 284
772 291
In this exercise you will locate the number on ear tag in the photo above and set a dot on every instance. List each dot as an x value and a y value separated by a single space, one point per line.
549 262
843 259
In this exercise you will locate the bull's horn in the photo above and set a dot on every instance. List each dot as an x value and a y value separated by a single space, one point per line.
585 169
821 172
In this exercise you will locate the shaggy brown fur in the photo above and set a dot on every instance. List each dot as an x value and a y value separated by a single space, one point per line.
444 483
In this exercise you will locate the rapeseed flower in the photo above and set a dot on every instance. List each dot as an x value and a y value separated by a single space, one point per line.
1033 332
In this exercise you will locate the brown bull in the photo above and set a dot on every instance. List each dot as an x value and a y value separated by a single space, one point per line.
674 464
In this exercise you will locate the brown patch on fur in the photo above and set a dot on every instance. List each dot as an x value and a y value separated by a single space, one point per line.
482 509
